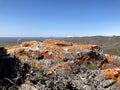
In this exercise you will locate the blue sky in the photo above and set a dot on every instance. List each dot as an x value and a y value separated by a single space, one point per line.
35 18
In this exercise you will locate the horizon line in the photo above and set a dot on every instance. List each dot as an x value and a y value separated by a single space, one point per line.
55 36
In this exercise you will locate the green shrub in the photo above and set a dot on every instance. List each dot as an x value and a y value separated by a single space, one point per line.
93 66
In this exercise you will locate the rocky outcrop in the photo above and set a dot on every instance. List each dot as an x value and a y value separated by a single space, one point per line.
55 64
49 49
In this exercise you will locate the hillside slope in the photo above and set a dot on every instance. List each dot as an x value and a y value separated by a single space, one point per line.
110 45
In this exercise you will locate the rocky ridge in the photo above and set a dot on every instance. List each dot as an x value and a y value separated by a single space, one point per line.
59 65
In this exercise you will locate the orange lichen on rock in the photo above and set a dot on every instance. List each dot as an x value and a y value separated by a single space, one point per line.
73 49
118 80
64 67
111 73
30 43
85 47
12 47
39 65
109 65
57 49
58 42
21 50
48 55
113 59
110 57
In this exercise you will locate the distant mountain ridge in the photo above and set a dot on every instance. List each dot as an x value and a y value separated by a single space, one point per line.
110 44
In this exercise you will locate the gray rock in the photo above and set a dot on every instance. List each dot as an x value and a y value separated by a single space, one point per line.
116 60
87 87
77 84
46 62
27 87
107 83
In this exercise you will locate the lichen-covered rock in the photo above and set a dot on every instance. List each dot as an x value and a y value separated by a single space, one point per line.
111 73
49 49
56 50
55 64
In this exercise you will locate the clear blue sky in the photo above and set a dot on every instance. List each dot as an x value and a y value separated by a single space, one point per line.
36 18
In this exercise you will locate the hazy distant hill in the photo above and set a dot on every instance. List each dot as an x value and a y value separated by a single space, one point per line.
110 45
